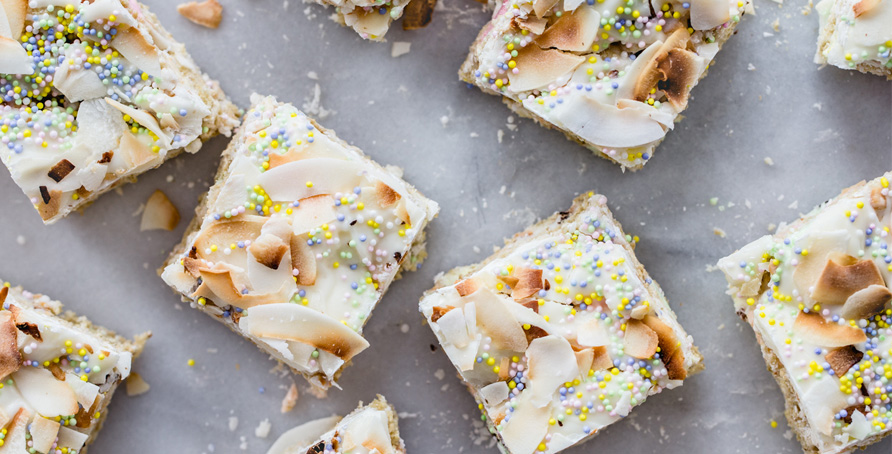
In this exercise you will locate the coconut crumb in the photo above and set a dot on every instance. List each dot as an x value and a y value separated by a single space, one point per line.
262 429
233 423
208 13
400 48
135 385
313 106
290 399
769 161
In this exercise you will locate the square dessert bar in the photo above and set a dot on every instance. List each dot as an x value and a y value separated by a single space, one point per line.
817 296
370 429
298 240
59 372
561 332
612 75
94 93
856 34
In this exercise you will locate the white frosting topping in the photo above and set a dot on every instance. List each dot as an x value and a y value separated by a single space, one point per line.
55 376
855 32
87 99
549 337
816 293
300 241
613 73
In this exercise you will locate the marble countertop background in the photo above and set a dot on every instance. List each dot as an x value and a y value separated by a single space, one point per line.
767 133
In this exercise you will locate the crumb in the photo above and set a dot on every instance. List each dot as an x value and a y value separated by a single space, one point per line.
20 240
751 67
135 385
714 201
719 232
444 120
233 423
771 227
290 399
400 48
440 374
769 161
208 13
404 328
312 75
313 106
262 430
500 135
776 24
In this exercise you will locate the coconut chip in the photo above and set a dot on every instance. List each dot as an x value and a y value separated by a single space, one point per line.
208 13
160 213
136 385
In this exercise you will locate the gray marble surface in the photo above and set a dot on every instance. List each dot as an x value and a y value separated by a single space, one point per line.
822 130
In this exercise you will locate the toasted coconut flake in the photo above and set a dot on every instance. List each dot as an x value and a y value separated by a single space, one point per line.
552 363
536 25
208 13
276 159
303 260
601 359
10 356
48 396
60 170
43 433
495 393
866 303
134 151
838 280
294 322
4 292
864 6
640 340
143 118
385 194
584 360
541 7
268 250
15 442
842 359
670 352
136 385
15 12
160 213
418 14
50 203
682 69
607 125
14 59
814 329
529 282
467 286
217 284
707 14
538 68
877 199
509 280
290 399
134 45
574 32
496 320
225 232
